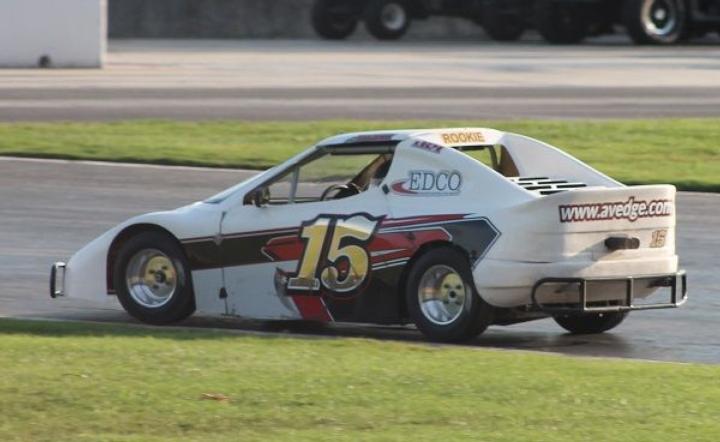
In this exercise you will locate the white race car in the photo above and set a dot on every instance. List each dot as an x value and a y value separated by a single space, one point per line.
451 229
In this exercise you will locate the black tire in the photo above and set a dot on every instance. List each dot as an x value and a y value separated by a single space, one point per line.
501 24
644 27
562 22
334 19
387 19
475 314
591 324
181 303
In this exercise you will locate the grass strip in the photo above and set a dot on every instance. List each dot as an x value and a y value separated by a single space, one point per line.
684 152
80 382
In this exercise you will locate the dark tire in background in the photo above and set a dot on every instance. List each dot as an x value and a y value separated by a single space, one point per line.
334 19
562 22
591 324
500 22
655 21
441 298
152 279
387 19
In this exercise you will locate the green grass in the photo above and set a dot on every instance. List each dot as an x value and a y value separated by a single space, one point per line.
682 152
76 382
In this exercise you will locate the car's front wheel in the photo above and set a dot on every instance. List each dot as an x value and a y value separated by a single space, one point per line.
441 297
152 279
590 324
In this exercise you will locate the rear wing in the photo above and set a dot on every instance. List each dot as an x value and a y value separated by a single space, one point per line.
533 158
535 166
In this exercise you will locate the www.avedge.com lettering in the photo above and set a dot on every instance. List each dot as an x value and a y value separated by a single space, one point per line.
630 210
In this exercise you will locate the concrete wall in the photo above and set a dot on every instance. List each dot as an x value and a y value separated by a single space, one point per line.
242 19
70 33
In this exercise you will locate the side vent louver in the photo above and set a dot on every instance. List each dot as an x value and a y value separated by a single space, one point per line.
545 185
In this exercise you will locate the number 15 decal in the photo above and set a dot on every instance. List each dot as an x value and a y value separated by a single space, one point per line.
335 255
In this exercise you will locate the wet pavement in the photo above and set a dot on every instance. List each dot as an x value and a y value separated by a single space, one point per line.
49 209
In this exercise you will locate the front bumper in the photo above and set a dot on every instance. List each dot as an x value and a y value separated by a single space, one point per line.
676 282
57 272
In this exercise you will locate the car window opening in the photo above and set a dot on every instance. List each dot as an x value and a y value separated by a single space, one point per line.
331 175
497 158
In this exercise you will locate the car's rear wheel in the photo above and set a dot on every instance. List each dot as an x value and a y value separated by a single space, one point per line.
387 19
152 279
562 22
334 19
590 324
655 21
441 297
502 23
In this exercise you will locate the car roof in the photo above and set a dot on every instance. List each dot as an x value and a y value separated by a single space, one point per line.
448 137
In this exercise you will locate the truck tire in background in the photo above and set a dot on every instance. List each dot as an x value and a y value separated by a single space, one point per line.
655 21
561 22
387 19
334 19
502 22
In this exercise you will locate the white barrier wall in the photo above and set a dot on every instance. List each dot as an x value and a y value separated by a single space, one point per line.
68 33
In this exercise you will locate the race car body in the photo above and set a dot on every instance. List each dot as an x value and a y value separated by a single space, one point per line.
452 229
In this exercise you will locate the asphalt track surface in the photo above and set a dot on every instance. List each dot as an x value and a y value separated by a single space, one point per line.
49 209
309 80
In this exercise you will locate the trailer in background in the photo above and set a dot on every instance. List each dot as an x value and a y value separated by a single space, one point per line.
558 21
645 21
503 20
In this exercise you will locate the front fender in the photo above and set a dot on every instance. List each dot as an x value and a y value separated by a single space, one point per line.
86 272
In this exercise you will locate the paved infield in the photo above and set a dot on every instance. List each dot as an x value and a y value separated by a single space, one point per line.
301 80
49 209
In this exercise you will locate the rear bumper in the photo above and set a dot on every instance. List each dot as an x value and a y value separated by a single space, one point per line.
676 282
509 284
57 274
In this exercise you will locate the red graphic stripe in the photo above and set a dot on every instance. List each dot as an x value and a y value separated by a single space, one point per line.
311 308
403 244
406 243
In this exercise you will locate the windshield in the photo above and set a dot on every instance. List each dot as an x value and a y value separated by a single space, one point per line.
225 194
310 174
